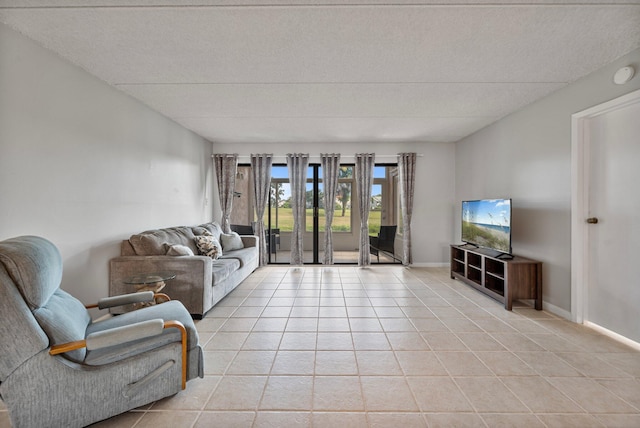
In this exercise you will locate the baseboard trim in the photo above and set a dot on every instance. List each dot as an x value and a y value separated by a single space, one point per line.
615 336
434 265
556 310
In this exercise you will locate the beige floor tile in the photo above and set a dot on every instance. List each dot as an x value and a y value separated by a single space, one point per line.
554 343
334 341
389 312
396 325
194 397
337 393
332 312
591 396
420 311
248 312
365 324
539 395
510 420
216 362
444 342
334 363
370 342
411 341
420 363
124 420
304 312
505 364
387 393
168 419
334 324
517 342
282 419
294 363
438 394
211 419
302 324
457 420
226 341
462 364
339 419
617 421
489 395
404 420
430 325
276 312
480 342
548 364
262 341
591 365
209 324
270 324
377 363
288 393
628 362
237 393
572 421
252 362
627 389
298 341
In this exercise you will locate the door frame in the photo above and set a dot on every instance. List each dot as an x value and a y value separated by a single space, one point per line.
580 161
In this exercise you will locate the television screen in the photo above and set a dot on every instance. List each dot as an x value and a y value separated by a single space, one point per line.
487 223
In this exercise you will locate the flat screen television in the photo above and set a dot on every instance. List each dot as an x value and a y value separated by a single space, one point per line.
486 223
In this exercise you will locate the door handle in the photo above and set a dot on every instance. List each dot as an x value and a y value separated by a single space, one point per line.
592 220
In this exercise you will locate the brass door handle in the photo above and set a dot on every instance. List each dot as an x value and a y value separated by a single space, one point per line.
592 220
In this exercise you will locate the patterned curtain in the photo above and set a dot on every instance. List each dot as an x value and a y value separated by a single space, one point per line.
226 168
364 179
407 179
298 164
330 167
261 170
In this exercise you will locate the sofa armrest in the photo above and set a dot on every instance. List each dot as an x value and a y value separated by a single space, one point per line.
192 285
249 240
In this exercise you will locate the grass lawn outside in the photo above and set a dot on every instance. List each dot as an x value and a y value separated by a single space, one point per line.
340 223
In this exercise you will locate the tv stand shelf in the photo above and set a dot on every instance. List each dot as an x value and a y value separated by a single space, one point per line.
505 280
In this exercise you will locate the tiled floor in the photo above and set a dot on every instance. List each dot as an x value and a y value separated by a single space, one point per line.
393 347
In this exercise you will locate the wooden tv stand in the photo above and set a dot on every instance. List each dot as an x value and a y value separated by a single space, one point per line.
505 280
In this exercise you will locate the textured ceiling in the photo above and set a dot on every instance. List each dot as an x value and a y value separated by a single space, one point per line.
315 71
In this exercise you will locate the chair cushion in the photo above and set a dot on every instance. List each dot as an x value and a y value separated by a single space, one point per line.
35 266
64 319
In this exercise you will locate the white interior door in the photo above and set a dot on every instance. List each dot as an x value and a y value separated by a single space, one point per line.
612 292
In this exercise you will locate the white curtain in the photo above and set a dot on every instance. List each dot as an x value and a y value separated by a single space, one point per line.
407 179
365 163
298 164
226 168
261 170
330 167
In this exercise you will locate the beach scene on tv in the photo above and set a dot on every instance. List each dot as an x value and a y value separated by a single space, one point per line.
487 223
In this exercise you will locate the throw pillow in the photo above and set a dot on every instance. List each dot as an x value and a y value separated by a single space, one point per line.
208 246
179 250
231 241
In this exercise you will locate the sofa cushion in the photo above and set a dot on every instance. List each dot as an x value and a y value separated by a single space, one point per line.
152 242
213 228
178 250
221 269
231 241
208 246
245 256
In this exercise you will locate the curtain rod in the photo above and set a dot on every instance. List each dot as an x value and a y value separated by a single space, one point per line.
317 156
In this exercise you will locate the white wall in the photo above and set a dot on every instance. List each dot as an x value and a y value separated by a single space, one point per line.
86 166
434 197
527 156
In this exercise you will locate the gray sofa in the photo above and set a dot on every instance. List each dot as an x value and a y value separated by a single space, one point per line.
200 281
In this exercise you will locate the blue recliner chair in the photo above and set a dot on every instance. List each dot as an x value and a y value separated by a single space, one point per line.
60 369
